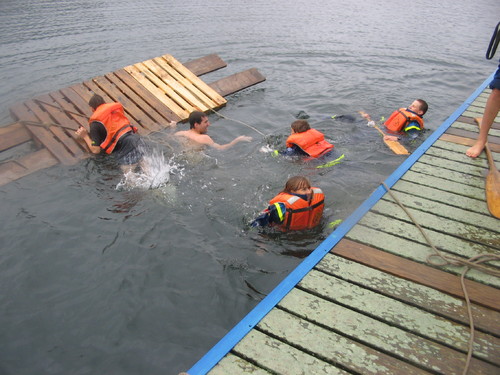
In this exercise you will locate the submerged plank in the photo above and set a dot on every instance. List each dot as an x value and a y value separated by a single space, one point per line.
238 81
206 64
13 135
23 166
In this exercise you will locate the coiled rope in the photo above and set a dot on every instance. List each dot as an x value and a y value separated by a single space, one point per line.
473 262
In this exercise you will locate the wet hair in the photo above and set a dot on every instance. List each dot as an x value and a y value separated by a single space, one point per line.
195 118
423 105
95 101
300 126
296 183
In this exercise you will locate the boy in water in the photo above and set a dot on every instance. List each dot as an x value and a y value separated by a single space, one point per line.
299 206
408 121
306 141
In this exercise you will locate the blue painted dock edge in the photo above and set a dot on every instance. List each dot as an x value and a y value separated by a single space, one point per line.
214 355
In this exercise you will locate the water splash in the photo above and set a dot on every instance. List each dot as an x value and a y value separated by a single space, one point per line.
154 172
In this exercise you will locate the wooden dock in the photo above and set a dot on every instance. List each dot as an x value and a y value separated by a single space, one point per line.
367 301
153 92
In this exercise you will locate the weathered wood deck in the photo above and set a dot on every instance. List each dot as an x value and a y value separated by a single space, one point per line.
366 301
153 92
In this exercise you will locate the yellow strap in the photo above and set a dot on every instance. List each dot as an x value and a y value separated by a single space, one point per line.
278 209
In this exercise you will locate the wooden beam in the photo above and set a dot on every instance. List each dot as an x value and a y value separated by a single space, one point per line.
238 81
13 135
478 293
205 64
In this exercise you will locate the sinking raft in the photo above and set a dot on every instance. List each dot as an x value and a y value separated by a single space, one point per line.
154 93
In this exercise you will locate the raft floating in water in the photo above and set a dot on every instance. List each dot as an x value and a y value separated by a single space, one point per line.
154 93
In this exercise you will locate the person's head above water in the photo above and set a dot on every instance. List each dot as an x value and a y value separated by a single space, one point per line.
197 118
300 126
419 107
297 185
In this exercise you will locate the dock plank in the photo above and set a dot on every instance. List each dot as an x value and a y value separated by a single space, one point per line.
393 325
407 281
279 357
466 141
363 338
369 233
232 364
329 345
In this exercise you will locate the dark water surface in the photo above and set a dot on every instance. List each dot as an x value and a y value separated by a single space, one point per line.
95 280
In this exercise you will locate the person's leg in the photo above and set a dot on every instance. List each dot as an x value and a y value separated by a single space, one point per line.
490 112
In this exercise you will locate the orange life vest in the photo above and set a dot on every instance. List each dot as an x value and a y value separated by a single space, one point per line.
311 142
401 118
112 116
301 214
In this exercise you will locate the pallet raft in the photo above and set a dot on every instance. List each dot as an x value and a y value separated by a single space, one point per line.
153 92
366 301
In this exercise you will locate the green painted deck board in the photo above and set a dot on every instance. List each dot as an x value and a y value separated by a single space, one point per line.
418 252
281 358
232 364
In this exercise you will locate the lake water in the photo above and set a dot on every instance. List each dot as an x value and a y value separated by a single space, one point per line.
100 280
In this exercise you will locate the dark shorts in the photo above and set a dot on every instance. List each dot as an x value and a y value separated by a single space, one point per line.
129 149
495 83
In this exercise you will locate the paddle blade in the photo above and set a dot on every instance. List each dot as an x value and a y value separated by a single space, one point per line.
492 190
396 147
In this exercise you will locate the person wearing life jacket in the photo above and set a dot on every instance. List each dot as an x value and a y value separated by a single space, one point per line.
409 120
299 206
306 141
112 133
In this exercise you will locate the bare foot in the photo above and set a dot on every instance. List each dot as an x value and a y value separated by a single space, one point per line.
475 150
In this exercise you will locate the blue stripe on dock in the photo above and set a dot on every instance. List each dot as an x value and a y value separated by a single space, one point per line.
212 357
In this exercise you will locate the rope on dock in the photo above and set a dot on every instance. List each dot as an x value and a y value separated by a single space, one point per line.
473 262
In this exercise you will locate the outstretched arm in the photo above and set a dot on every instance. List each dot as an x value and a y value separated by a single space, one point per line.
241 138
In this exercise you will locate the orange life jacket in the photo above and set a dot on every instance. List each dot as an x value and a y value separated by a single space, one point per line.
400 121
112 116
301 214
311 142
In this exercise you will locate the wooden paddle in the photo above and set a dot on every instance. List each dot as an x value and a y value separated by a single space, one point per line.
492 185
395 146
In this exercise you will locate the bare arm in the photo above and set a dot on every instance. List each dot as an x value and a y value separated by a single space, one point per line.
241 138
84 134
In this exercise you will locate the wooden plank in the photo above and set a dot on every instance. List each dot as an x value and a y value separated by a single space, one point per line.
202 101
238 81
331 346
43 135
30 163
445 183
211 93
66 137
147 95
475 167
64 103
160 94
366 315
157 117
79 101
466 141
281 358
408 290
13 135
366 338
400 240
433 193
472 135
181 86
205 64
232 364
137 115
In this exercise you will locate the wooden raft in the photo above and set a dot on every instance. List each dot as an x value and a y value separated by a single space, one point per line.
372 304
153 93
